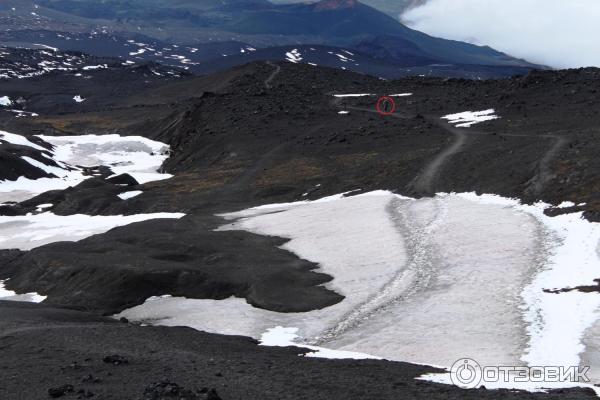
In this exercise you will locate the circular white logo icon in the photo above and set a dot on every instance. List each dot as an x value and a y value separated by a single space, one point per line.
466 373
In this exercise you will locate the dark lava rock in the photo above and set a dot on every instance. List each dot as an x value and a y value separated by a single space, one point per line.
170 390
84 394
172 254
11 210
90 379
193 357
115 359
60 391
212 395
123 179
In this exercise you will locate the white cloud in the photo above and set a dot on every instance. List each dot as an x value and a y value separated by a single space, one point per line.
558 33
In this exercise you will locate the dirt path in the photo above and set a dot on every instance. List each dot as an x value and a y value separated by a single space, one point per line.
273 75
424 182
544 173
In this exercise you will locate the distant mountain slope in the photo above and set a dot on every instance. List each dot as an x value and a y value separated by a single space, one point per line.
210 29
212 57
415 48
329 18
391 7
358 61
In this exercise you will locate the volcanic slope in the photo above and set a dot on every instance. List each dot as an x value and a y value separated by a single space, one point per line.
212 36
266 133
84 355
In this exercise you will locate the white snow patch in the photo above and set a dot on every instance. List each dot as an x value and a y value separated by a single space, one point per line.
9 295
46 47
138 52
343 112
135 155
5 101
93 67
353 95
468 270
293 56
400 95
343 58
31 231
285 337
469 118
21 113
130 195
566 204
19 140
78 99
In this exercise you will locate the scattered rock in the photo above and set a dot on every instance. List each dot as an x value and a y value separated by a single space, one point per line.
115 359
169 390
212 395
90 379
60 391
84 394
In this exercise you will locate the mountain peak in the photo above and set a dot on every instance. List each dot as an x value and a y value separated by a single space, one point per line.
324 5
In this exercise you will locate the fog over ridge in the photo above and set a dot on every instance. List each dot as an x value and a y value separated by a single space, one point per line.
558 33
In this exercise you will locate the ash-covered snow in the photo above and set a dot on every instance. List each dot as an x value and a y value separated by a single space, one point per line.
428 281
135 155
469 118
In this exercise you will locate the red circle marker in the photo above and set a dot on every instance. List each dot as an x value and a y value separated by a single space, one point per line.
386 105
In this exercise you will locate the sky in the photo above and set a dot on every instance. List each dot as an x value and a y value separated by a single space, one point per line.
556 33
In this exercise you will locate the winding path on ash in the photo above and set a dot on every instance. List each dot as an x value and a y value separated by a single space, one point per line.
424 182
273 75
411 271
